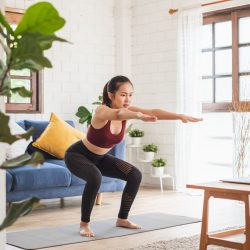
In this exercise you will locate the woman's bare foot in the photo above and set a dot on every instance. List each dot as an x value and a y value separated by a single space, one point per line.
85 230
126 223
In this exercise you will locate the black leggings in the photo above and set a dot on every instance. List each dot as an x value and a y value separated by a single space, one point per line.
90 167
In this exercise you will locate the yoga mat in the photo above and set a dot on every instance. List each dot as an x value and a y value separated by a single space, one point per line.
69 234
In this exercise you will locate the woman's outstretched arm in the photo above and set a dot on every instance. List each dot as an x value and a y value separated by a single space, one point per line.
105 113
165 115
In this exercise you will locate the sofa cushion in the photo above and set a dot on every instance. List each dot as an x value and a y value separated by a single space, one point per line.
9 181
39 127
57 137
31 150
74 179
46 176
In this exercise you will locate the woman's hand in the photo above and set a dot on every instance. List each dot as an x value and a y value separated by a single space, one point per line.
185 119
146 118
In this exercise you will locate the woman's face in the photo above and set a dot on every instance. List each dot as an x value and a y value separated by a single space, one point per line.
123 96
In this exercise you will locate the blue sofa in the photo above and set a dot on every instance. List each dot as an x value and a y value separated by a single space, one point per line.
52 179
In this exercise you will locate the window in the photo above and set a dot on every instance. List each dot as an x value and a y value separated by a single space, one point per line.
226 59
30 80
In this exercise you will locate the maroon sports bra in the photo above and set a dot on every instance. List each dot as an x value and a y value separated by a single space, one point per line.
103 137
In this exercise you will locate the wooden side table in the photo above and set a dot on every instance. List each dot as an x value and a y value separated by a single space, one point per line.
229 191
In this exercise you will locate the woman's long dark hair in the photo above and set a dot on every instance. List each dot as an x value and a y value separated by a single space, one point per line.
112 86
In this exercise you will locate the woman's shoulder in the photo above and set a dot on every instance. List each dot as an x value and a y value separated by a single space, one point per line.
101 107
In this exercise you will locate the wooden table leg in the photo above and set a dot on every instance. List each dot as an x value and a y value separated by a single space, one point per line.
246 245
204 225
98 200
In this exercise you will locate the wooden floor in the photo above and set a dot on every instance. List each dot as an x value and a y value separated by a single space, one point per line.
223 213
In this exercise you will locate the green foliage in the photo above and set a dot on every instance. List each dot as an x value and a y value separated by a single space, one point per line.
84 114
159 163
42 18
150 148
25 46
136 133
25 159
18 209
21 91
6 136
24 49
99 102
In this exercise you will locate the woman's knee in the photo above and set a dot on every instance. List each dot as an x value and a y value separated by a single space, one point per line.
95 178
135 175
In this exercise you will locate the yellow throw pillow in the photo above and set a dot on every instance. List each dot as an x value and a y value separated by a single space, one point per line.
57 137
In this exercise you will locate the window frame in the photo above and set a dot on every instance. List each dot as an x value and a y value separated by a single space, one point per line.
232 14
14 15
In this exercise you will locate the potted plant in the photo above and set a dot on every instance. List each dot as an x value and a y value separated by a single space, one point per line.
149 151
158 167
136 135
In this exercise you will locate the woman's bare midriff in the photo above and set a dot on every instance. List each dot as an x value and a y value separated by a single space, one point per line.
94 149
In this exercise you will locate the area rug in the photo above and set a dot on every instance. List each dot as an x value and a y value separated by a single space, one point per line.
185 243
56 236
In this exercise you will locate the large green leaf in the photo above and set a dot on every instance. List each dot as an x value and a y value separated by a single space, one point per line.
84 115
6 136
18 209
6 24
41 17
29 54
27 64
85 119
82 112
22 91
45 41
25 159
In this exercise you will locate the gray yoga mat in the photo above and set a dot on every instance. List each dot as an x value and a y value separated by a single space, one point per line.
56 236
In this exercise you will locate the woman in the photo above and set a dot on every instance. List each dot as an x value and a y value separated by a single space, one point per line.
88 158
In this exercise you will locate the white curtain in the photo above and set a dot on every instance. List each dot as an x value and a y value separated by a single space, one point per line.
188 96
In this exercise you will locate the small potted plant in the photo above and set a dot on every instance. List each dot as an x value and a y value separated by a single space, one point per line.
158 167
136 135
149 151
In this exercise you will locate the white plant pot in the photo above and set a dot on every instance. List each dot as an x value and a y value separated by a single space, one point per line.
157 171
136 140
149 156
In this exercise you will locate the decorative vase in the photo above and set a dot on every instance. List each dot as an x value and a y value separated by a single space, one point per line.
136 140
149 156
157 171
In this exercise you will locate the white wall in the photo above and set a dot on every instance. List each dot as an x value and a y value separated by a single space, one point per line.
123 37
154 73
